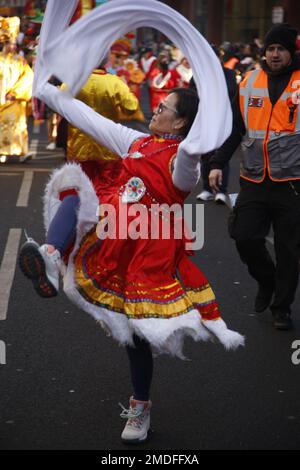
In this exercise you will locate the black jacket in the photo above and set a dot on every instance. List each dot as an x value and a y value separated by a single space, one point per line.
234 139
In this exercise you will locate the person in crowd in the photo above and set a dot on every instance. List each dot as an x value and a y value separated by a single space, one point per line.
147 61
119 52
220 195
162 80
270 175
185 71
133 75
229 55
108 95
250 59
145 290
121 264
16 78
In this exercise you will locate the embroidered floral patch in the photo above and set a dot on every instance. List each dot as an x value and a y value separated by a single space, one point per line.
134 190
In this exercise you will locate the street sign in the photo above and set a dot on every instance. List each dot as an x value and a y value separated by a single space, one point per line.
277 15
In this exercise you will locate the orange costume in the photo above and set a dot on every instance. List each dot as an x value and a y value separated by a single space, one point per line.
133 75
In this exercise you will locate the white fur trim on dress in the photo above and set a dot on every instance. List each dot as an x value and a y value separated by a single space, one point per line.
230 339
71 176
164 335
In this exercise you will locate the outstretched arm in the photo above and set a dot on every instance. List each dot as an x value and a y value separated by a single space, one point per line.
114 136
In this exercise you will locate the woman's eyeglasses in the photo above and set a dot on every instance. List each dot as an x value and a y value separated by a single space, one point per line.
161 107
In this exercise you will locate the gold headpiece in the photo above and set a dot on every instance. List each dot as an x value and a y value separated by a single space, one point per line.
9 28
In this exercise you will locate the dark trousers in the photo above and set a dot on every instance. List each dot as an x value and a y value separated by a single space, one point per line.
205 170
141 368
259 207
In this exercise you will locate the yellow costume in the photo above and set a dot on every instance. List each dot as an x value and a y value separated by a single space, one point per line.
16 78
109 96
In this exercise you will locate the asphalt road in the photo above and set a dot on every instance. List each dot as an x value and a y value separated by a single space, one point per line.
63 379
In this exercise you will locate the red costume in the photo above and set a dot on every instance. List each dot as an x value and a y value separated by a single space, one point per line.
139 278
161 83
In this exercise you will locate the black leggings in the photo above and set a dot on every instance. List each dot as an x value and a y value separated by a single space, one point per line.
141 368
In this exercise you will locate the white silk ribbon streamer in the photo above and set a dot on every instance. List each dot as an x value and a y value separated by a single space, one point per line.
71 55
56 20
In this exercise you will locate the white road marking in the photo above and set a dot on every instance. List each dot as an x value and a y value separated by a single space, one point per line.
49 157
22 170
33 147
7 269
9 174
270 240
39 146
25 189
36 129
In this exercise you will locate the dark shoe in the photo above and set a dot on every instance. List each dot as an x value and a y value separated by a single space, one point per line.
263 298
282 321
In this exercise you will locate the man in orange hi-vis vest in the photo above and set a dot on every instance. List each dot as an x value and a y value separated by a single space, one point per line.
270 175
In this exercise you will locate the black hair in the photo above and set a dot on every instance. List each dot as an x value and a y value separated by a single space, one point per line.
187 106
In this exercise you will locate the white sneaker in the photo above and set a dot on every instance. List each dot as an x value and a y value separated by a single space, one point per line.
51 146
41 267
25 158
205 196
138 421
221 198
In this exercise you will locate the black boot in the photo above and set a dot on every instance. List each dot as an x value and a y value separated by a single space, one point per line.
282 321
263 298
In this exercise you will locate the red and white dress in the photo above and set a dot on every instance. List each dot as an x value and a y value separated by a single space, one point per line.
139 279
146 285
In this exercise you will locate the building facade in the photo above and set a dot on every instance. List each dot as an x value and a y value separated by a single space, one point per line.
237 20
217 20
